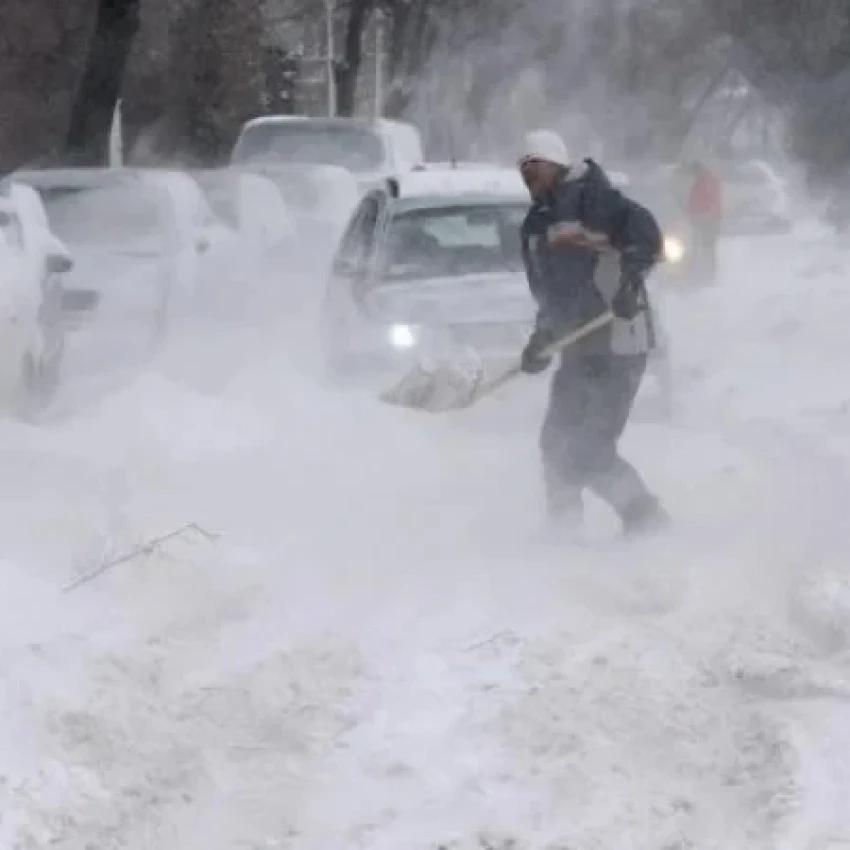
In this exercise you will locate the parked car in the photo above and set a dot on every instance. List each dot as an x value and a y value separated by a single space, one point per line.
34 265
370 149
318 197
249 204
135 237
259 252
756 199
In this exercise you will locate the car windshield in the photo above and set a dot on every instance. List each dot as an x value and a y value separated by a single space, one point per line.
455 240
358 149
111 215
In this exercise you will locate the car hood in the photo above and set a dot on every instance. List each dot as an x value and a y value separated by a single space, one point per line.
468 299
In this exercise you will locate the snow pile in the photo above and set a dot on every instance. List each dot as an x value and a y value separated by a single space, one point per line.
355 636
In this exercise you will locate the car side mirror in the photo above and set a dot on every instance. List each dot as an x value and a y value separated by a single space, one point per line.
59 263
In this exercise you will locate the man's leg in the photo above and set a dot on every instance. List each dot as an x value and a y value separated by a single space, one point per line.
563 487
612 384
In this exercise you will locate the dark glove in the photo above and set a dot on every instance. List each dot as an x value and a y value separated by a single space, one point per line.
630 299
533 359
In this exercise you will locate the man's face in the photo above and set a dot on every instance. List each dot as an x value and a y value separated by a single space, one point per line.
538 175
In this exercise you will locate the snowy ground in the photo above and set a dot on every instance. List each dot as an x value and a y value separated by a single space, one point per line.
365 641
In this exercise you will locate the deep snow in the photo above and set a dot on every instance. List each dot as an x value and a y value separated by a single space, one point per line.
380 650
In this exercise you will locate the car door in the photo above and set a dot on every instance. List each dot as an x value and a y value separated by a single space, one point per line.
353 265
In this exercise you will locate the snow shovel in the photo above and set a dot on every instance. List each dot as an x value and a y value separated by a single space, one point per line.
459 386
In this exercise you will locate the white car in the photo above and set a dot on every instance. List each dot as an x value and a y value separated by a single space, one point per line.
33 268
319 198
249 205
756 199
134 236
370 149
253 245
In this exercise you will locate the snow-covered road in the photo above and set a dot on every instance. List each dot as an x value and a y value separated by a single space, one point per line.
379 650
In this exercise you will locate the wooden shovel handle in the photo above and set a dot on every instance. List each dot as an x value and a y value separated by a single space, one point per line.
488 387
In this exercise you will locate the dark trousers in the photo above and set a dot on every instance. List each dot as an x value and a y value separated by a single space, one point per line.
590 401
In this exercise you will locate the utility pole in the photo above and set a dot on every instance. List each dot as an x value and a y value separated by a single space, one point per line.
379 63
330 50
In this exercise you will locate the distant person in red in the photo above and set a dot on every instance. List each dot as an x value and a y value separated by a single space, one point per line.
704 207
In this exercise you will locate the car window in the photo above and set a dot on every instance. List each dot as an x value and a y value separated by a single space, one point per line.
112 215
358 240
452 241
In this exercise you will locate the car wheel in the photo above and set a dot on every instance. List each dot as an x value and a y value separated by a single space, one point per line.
38 382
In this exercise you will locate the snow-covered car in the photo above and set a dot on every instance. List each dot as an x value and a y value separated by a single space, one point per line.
249 205
756 199
256 251
134 236
34 264
430 261
318 198
371 149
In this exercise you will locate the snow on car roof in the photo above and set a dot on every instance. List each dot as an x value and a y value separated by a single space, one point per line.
88 177
320 120
461 181
76 177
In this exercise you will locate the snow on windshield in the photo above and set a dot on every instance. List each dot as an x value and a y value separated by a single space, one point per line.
113 215
456 240
354 148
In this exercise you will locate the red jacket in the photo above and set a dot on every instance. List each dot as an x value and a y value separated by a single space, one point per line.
705 200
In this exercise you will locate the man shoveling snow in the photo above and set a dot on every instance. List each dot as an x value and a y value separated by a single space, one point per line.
587 249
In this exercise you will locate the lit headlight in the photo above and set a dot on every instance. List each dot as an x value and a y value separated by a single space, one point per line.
402 336
674 249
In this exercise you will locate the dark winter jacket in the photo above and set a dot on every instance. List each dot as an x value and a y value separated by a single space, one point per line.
604 237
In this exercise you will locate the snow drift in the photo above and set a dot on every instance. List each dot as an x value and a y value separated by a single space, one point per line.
373 646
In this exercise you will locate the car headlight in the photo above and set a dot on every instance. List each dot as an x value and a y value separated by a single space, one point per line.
674 249
403 336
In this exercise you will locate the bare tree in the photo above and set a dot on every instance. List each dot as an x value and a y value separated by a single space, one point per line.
116 25
43 46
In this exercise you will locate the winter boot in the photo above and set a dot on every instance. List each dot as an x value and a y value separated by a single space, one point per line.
644 516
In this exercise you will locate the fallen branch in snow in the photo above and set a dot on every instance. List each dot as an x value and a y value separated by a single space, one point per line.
143 550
